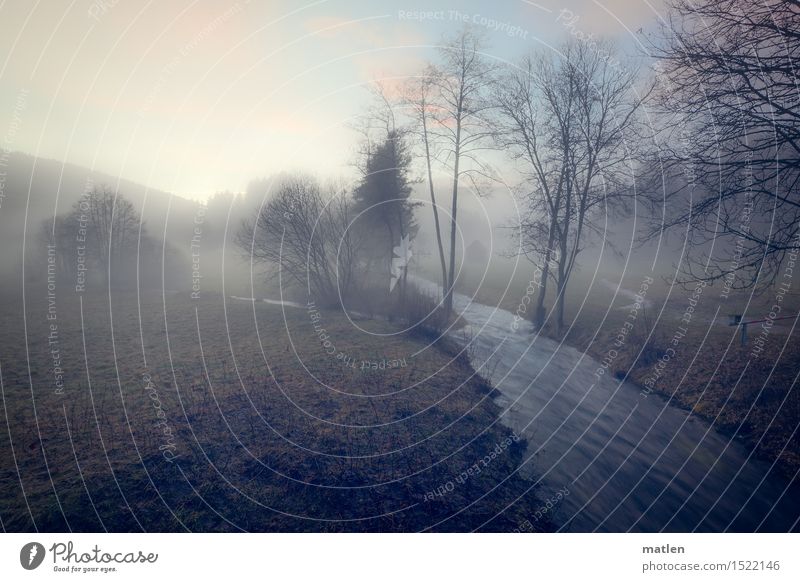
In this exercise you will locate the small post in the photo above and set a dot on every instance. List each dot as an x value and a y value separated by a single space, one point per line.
736 320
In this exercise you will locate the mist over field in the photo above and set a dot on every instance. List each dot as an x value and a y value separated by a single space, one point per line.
357 267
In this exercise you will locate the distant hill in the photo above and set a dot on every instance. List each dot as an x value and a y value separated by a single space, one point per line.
47 187
33 190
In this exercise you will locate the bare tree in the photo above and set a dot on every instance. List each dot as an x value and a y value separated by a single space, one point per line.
567 117
103 233
303 235
107 225
730 143
520 101
461 82
418 98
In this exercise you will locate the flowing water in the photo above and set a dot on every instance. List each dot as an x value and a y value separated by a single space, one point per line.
608 457
620 459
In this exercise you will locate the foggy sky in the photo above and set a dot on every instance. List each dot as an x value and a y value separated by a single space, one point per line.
195 97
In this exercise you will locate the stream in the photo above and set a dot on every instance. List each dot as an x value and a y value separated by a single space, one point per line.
622 461
607 457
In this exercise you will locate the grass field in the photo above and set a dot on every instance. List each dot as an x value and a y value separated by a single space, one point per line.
216 415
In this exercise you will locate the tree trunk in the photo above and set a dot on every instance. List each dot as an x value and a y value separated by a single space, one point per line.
560 308
539 314
448 300
562 284
445 284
